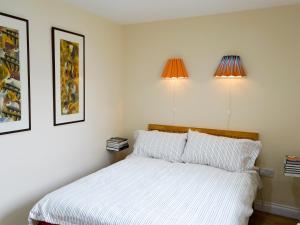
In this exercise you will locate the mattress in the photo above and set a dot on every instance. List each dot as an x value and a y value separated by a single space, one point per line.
140 191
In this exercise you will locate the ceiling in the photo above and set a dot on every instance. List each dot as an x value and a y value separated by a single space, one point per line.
137 11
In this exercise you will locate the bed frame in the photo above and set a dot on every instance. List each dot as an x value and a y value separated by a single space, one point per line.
226 133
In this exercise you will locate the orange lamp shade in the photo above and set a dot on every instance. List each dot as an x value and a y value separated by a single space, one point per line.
174 69
230 66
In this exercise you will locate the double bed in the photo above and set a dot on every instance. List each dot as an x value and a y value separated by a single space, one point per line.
142 190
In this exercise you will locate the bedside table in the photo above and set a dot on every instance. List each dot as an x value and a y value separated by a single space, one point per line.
117 156
291 167
118 148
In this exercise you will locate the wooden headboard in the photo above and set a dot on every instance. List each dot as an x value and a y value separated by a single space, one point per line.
226 133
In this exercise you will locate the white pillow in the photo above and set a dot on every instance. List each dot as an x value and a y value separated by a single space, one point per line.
226 153
160 145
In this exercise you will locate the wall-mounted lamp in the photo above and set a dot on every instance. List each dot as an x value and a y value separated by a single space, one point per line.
174 68
230 67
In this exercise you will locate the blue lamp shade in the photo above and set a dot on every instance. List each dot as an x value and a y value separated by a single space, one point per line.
230 66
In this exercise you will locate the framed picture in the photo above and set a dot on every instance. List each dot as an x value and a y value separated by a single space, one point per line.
14 75
68 55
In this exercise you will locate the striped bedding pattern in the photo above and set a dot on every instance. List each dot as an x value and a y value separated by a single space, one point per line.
139 190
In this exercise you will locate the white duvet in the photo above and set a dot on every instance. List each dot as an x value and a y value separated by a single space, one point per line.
149 191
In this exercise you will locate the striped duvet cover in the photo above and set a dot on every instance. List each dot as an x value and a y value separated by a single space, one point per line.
138 191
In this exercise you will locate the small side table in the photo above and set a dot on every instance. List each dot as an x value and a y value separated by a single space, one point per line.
117 156
117 146
292 175
291 167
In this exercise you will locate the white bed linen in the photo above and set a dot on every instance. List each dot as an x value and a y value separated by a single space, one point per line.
149 191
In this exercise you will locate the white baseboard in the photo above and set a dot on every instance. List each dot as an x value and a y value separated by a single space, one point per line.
278 209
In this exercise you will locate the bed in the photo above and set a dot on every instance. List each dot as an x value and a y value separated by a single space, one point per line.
141 190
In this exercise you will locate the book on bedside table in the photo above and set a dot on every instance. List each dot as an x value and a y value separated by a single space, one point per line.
117 144
292 166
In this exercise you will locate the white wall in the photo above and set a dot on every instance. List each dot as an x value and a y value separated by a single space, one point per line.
267 101
36 162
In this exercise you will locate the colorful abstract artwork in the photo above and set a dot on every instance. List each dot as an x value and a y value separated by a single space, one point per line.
10 96
68 76
14 75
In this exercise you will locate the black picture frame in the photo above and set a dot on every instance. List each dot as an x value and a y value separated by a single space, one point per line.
26 36
54 75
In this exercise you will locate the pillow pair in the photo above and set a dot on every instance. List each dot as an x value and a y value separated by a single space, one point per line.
225 153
